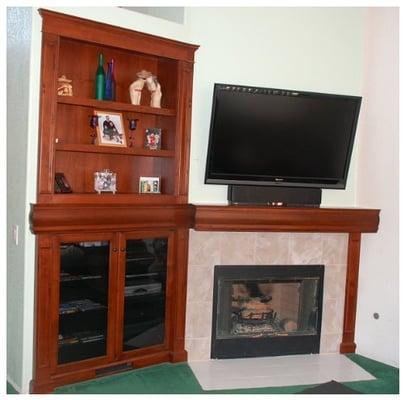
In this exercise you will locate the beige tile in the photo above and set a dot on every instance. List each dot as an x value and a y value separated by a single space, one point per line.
213 248
334 282
332 316
330 343
335 248
198 319
271 248
200 283
198 349
237 248
204 248
305 248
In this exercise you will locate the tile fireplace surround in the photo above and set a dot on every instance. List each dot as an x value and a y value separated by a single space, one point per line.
207 249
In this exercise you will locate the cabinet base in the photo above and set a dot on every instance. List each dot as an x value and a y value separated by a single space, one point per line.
42 386
179 356
347 347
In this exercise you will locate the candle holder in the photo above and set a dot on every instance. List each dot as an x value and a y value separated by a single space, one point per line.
93 122
132 124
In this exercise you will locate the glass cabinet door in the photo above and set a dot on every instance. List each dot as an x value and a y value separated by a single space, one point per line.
144 292
83 300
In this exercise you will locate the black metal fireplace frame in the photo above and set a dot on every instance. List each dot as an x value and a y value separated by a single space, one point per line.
242 347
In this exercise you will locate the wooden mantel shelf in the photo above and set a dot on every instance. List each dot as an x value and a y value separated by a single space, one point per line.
284 219
56 217
48 218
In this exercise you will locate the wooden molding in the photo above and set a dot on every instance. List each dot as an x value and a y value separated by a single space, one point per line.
92 31
82 218
352 279
285 219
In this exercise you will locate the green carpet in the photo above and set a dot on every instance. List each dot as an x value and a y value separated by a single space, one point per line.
179 379
10 389
387 381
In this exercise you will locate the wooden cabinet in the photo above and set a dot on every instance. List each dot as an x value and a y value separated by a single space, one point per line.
112 299
84 303
71 47
145 278
111 267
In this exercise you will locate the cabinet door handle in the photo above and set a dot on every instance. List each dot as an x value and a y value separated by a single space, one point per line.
114 249
123 250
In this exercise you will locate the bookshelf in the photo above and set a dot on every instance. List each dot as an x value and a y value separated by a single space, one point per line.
98 308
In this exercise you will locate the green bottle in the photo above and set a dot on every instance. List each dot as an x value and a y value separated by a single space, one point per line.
100 79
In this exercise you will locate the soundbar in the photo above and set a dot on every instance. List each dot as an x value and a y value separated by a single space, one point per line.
274 196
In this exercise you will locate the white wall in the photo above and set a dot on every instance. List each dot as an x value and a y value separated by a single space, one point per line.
314 49
18 83
317 49
377 187
175 14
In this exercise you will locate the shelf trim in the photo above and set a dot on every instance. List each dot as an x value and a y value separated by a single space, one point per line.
285 219
129 151
109 217
114 105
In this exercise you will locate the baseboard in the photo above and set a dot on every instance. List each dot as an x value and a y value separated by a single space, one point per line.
178 356
14 385
347 347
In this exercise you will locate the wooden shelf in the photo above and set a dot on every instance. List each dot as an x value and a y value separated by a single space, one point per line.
127 151
114 106
285 219
109 198
48 218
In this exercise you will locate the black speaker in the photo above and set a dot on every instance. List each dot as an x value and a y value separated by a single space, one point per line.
274 196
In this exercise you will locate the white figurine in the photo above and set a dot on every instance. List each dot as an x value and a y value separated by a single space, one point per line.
155 90
135 89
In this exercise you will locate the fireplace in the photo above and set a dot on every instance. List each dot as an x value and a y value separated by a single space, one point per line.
266 310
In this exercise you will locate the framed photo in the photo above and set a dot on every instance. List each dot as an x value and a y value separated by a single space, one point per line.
149 184
110 129
105 181
153 138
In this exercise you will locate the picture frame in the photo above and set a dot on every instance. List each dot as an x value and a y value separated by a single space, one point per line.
153 138
105 181
110 129
149 184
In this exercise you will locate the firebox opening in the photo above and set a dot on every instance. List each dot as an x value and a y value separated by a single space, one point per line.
266 310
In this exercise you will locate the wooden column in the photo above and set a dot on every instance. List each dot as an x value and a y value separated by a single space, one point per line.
179 353
352 278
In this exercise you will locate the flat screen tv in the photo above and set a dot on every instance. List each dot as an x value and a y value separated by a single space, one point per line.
279 137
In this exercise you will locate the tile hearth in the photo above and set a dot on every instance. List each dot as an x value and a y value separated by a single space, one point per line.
277 371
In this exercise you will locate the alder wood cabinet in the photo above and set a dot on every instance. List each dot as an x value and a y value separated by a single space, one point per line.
111 268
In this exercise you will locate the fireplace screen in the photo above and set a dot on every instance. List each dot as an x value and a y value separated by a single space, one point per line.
263 306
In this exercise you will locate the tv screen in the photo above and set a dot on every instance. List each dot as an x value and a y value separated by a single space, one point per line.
261 136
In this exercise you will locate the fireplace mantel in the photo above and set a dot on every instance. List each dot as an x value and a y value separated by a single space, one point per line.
285 219
353 221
